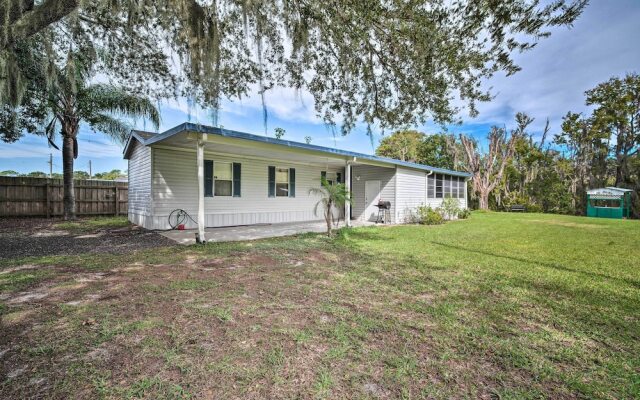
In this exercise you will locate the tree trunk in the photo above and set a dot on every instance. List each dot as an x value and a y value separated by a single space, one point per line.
622 171
69 200
328 216
483 199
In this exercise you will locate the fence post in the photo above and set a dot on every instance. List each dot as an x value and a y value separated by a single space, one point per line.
117 200
48 205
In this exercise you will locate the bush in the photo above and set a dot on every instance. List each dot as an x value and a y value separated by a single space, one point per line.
464 213
450 208
428 216
412 216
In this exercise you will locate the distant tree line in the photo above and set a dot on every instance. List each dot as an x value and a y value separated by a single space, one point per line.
109 176
548 172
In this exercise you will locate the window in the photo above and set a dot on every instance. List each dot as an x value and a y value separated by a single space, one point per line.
330 177
439 186
282 182
454 187
446 184
605 203
461 184
431 186
223 179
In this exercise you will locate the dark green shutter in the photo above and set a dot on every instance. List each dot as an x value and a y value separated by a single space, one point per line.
323 176
272 181
339 177
208 178
236 179
292 182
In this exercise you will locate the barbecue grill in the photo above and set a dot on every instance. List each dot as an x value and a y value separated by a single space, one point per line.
384 212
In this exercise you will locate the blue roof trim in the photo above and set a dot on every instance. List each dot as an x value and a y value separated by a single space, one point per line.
191 127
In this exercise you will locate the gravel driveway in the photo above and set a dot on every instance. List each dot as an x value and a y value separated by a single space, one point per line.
26 237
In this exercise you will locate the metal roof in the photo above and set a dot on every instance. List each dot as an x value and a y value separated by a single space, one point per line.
609 191
148 138
146 135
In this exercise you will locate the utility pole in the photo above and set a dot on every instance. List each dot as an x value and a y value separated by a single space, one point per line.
90 174
50 165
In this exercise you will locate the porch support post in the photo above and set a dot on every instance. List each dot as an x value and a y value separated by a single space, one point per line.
200 163
466 199
347 205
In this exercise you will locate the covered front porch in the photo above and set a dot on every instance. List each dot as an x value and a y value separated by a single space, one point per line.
247 207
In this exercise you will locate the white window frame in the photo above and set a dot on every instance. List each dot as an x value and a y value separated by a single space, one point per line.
215 178
288 181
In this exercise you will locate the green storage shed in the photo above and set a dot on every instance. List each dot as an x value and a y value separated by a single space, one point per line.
609 202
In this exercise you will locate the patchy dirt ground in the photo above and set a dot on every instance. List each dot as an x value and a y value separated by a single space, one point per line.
234 325
36 237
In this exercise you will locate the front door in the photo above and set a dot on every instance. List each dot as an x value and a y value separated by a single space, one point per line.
371 198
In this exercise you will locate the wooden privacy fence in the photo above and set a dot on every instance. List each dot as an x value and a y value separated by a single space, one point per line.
43 197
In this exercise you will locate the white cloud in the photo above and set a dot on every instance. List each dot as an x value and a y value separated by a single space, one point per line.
284 103
557 72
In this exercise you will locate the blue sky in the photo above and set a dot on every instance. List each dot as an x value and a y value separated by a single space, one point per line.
602 43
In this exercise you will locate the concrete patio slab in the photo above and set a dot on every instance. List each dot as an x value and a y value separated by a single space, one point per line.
251 232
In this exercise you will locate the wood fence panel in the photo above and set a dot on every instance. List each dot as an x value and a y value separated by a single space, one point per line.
44 197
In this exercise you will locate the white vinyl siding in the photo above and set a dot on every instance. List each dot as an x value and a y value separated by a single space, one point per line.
411 186
386 176
139 168
175 186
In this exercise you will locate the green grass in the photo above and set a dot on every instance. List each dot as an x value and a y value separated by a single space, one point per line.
554 297
510 306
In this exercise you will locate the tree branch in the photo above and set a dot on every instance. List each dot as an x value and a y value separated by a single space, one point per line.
36 19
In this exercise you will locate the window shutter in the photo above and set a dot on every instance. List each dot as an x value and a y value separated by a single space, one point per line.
272 181
292 182
237 175
323 176
339 177
208 178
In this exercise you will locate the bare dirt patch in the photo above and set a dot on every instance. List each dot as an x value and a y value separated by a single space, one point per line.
35 237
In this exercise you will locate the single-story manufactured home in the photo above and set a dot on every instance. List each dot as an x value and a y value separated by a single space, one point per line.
229 178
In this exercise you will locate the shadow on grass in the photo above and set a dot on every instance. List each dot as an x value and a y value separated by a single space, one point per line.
559 267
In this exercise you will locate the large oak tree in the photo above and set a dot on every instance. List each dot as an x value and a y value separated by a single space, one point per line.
378 62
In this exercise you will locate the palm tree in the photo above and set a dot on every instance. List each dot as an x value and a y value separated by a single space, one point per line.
331 196
64 97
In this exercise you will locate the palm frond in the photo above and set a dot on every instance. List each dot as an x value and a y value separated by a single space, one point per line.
317 191
113 127
101 98
330 196
50 132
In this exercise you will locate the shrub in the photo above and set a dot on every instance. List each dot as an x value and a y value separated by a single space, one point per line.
534 208
450 208
428 216
412 216
464 213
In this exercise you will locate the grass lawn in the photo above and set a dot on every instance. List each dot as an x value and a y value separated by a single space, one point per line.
505 306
